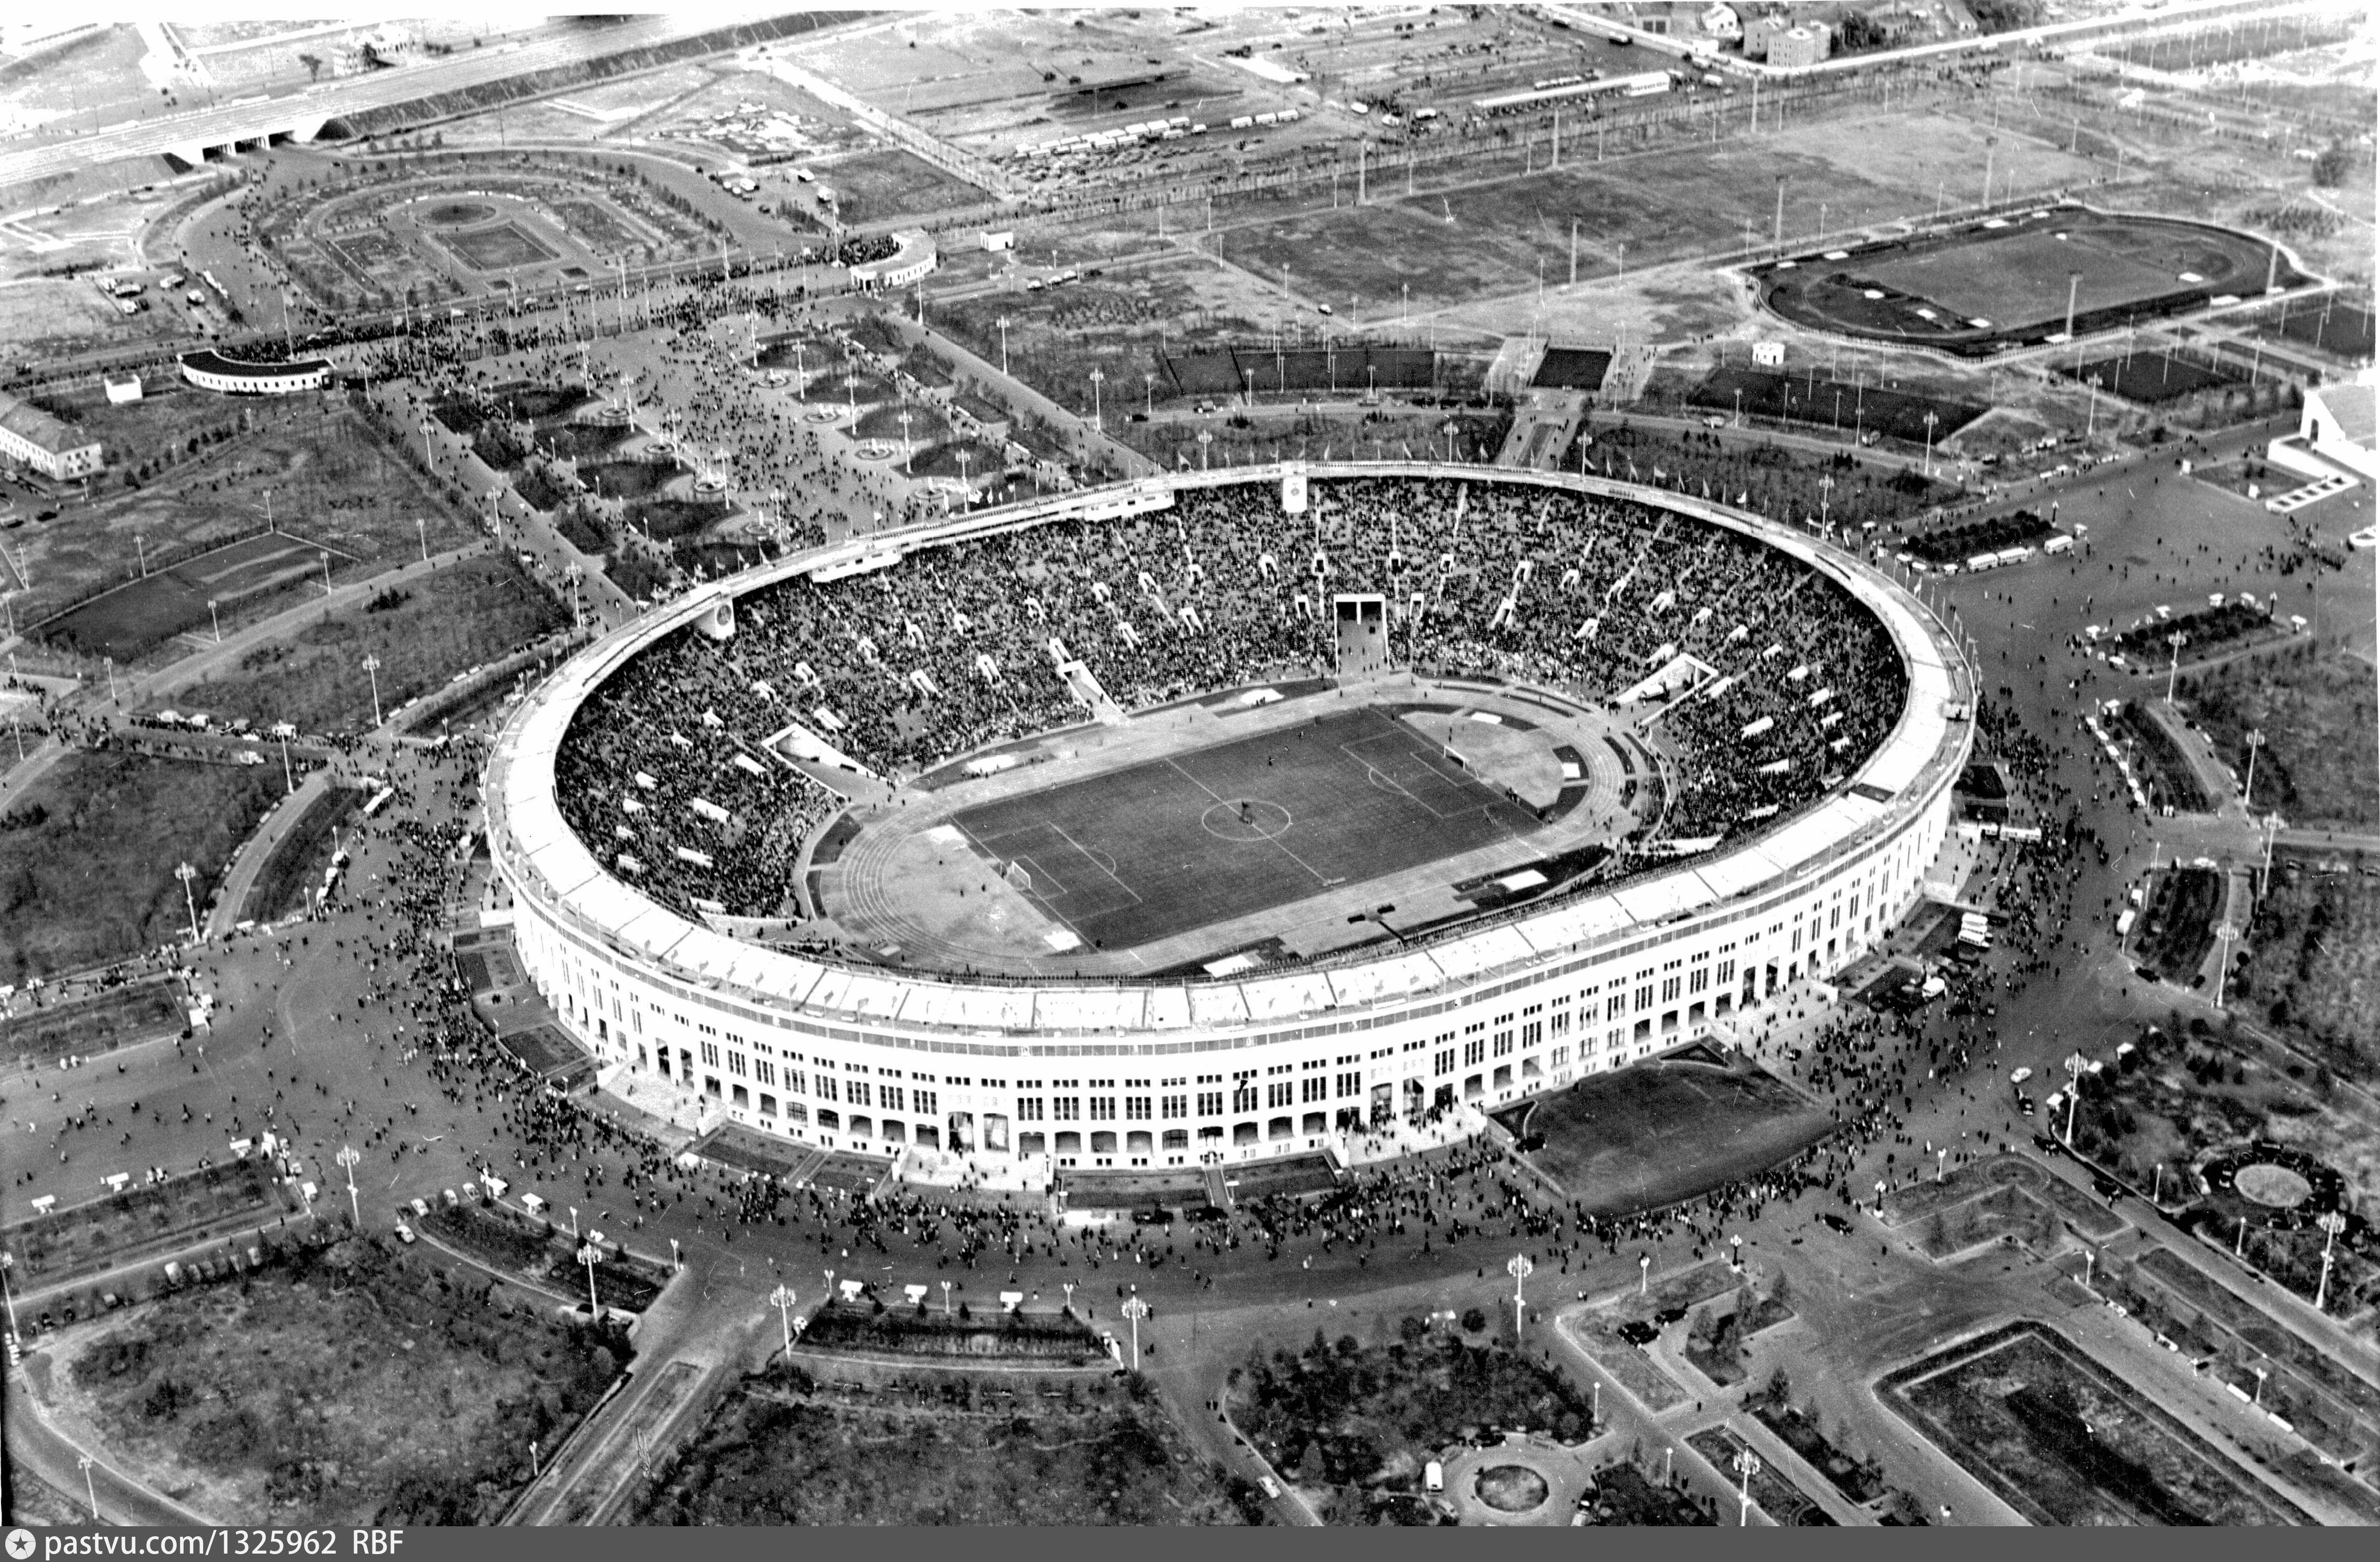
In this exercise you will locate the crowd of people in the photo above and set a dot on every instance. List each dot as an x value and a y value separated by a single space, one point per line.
1793 682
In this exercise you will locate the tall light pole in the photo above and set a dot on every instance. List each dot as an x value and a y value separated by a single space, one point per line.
1519 1268
2076 1063
288 776
1748 1463
371 671
349 1157
216 619
186 873
89 1490
1135 1309
783 1297
1003 323
2255 742
2173 671
9 1262
587 1255
1099 421
2332 1223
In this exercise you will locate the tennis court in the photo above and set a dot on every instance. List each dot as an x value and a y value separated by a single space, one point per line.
1171 845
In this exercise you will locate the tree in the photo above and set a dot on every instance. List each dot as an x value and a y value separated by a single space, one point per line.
2331 166
313 63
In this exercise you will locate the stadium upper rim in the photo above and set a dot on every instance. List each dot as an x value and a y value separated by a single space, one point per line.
546 863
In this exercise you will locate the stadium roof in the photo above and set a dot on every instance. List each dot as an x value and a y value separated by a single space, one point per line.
30 423
208 361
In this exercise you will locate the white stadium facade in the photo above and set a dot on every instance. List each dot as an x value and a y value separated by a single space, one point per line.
1210 1069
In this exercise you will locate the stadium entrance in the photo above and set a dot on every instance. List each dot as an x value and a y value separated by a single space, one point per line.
1362 625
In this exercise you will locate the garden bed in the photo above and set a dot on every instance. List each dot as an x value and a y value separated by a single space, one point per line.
85 1026
347 1385
2177 928
784 1451
920 1330
1347 1414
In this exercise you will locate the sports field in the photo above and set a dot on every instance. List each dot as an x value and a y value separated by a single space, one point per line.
1980 288
128 620
1175 844
1642 1137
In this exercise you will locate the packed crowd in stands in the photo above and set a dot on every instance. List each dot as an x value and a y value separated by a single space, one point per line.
664 773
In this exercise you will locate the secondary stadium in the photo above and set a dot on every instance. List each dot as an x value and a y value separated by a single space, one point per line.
1202 820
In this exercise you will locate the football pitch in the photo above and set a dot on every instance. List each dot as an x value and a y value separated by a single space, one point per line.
1171 845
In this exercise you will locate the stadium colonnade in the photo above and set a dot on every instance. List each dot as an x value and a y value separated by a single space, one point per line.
850 1056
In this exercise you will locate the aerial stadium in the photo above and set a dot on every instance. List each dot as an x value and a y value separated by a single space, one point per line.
1199 820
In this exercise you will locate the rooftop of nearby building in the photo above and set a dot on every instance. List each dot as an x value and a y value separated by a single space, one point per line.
31 423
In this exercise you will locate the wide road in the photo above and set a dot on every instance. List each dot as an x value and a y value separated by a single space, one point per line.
226 122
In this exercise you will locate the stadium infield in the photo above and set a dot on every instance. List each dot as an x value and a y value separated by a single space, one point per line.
1175 845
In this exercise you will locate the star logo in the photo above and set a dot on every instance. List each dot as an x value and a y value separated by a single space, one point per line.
20 1544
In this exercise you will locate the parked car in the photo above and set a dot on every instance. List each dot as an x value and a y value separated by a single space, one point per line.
403 1233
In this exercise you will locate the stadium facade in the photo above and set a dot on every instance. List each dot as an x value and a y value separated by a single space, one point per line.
1122 1075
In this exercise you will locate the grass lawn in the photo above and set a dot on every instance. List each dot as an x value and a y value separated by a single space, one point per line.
2319 767
1348 1414
294 870
94 880
2313 970
963 1454
873 186
430 630
347 1385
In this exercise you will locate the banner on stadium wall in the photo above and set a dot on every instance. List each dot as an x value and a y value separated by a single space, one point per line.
1292 488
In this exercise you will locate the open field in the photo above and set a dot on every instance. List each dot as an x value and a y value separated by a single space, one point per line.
2335 325
1452 246
2313 967
347 1385
94 880
2320 766
1805 398
963 1453
427 631
1177 844
875 186
2064 1441
1637 1138
333 486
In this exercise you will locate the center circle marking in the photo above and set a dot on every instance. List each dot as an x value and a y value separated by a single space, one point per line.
1246 818
2276 1187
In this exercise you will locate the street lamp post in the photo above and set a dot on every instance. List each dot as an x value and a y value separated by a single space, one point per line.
1135 1310
2076 1063
2332 1223
587 1255
1519 1268
2173 670
186 873
371 671
1099 421
9 1262
89 1490
783 1298
288 776
216 619
2248 793
1748 1463
1644 1272
349 1157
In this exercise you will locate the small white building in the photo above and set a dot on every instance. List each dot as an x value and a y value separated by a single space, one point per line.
1768 355
122 388
999 243
2335 433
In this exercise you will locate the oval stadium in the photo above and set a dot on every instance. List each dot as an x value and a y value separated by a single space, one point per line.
1293 810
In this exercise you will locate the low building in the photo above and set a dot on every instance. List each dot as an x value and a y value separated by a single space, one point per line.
52 447
2337 424
211 372
122 388
911 261
1786 43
